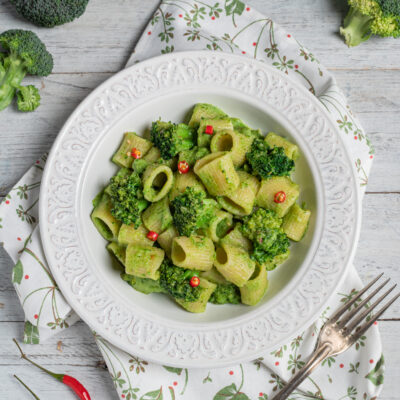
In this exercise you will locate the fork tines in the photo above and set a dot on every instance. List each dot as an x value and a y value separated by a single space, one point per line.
353 318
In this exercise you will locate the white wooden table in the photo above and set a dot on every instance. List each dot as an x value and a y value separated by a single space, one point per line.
97 45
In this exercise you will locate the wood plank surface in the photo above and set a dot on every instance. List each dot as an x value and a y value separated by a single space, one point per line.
89 51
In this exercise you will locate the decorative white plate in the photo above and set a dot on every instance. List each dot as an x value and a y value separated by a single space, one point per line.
153 326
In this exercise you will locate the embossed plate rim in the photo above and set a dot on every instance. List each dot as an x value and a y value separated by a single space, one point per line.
201 361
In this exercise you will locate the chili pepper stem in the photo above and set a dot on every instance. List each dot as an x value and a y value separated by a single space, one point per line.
26 387
24 356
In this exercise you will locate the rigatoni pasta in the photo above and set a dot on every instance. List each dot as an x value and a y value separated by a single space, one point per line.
234 264
123 157
201 211
194 252
241 201
217 173
143 261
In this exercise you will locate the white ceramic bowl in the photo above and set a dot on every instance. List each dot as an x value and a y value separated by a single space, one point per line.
153 326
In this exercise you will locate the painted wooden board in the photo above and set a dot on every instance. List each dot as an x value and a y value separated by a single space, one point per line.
368 74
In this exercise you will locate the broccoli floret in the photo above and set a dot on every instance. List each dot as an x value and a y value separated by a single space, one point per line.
143 285
28 98
226 293
266 161
192 155
24 54
176 281
126 193
171 138
367 17
50 13
191 211
263 229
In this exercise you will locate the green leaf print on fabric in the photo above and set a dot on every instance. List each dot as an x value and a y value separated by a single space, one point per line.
18 272
233 7
376 374
174 370
230 392
153 395
31 333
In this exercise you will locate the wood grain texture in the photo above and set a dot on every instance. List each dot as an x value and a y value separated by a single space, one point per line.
89 51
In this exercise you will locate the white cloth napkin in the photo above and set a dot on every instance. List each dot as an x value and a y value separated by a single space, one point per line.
180 25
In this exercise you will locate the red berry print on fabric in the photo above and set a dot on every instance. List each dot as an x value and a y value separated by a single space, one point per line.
26 276
230 372
149 32
289 36
36 316
180 15
276 363
341 365
355 137
254 44
37 162
7 201
296 66
243 52
19 239
175 383
248 9
371 157
213 18
371 361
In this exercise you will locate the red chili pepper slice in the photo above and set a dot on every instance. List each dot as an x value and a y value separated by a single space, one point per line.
209 130
280 197
183 167
136 153
152 236
194 281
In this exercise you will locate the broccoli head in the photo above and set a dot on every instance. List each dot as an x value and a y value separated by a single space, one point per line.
191 211
171 138
266 161
176 281
263 229
126 193
367 17
24 53
49 13
225 293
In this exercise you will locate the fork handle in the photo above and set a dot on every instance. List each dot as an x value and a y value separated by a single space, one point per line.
318 356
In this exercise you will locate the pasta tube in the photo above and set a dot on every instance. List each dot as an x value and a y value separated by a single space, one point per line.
219 225
194 252
254 289
104 221
237 144
123 156
153 173
143 261
234 264
166 238
217 173
157 217
241 201
128 234
182 181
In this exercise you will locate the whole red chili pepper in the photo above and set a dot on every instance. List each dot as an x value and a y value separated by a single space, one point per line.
73 383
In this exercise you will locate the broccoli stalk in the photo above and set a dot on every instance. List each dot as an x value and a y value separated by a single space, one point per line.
171 138
50 13
191 211
24 54
367 17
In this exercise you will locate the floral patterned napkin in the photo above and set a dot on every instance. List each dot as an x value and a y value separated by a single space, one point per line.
231 26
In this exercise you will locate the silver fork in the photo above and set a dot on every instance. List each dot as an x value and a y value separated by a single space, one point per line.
337 335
